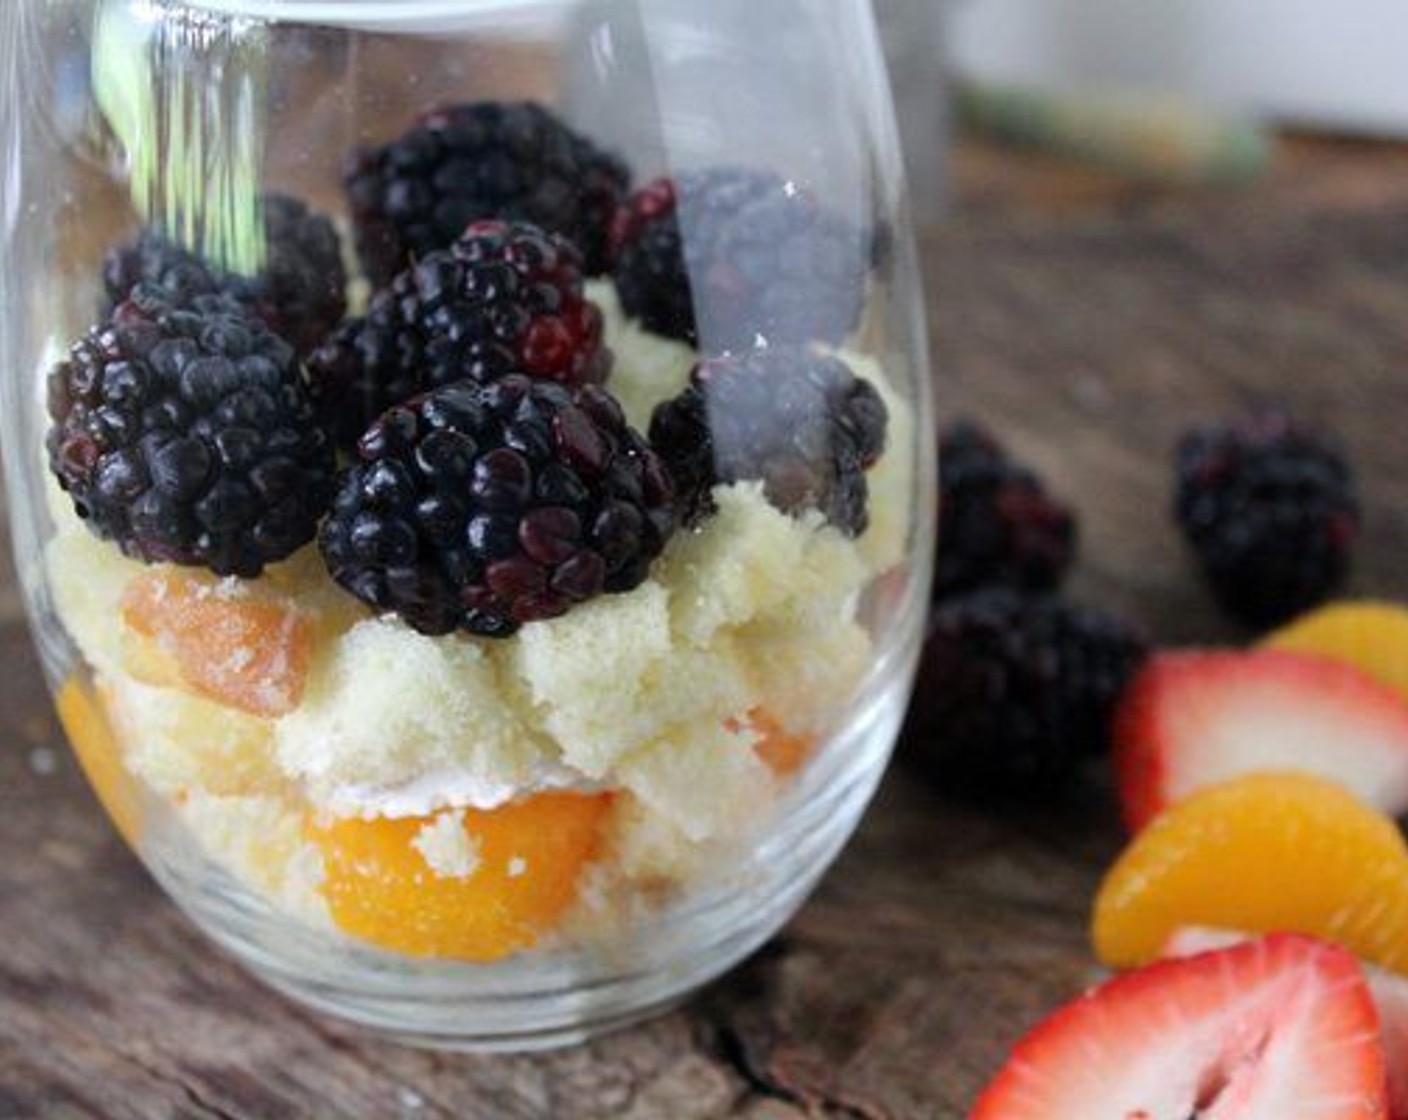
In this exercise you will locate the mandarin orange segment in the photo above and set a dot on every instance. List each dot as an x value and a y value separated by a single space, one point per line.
1262 853
89 730
231 645
471 884
1372 636
781 751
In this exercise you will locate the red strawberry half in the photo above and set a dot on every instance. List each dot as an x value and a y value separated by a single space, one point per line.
1281 1028
1195 718
1390 992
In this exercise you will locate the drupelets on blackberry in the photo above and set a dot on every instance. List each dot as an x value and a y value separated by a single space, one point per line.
481 507
301 292
1269 508
513 161
182 431
799 421
997 522
505 297
1016 690
728 259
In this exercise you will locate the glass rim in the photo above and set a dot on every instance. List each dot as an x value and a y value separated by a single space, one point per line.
389 14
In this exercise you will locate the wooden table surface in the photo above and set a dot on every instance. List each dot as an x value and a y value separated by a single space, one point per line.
1088 320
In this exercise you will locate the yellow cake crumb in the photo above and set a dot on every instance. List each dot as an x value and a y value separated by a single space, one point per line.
649 848
807 674
179 743
261 840
648 368
87 578
386 705
704 776
608 679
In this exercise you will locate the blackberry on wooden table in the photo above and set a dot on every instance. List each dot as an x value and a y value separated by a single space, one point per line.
997 522
1016 690
1269 508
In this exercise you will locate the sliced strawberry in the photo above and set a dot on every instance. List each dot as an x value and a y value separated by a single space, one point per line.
1192 719
1281 1028
1390 992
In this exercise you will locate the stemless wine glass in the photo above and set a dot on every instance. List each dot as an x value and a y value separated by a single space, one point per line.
471 476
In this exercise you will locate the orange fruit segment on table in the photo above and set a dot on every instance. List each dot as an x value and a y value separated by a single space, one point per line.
1372 636
85 722
1262 853
231 645
469 884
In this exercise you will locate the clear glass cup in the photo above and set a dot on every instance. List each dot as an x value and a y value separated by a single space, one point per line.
459 677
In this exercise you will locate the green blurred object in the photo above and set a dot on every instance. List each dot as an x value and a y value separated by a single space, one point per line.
182 92
1164 139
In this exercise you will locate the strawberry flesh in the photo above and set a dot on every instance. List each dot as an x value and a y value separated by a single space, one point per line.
1389 991
1194 718
1280 1028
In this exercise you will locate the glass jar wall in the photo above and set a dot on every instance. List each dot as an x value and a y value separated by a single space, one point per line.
470 472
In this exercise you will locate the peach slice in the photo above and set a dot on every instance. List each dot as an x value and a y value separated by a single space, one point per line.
85 722
231 644
471 884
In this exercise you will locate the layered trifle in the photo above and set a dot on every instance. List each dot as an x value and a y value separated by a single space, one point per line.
505 606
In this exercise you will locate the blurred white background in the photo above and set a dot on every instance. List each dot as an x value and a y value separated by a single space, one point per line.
1341 63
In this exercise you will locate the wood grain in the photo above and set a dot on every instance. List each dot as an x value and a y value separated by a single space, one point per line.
1089 321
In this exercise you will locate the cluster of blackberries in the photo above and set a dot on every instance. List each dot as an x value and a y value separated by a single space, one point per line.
488 478
751 269
1018 685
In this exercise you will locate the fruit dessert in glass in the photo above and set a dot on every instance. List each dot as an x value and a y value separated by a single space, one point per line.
483 586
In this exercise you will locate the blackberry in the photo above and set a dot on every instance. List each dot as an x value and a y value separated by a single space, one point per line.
161 265
183 432
730 259
1016 690
798 421
462 164
997 523
505 297
480 507
1268 506
301 292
